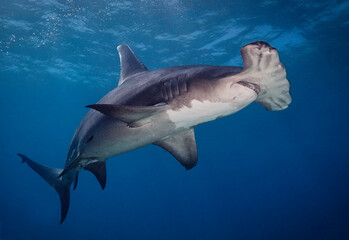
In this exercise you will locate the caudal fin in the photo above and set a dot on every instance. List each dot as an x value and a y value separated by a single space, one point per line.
51 177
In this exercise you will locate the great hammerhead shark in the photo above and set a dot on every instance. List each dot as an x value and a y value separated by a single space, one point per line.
162 107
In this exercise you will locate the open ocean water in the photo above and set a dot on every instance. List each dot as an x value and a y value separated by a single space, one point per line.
260 175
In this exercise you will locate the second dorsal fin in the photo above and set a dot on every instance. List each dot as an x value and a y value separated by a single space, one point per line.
130 64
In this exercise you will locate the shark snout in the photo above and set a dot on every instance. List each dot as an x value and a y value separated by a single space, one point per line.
259 43
260 55
260 46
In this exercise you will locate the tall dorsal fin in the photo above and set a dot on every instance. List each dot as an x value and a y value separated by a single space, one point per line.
130 64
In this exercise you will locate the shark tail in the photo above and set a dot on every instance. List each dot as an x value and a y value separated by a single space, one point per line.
51 176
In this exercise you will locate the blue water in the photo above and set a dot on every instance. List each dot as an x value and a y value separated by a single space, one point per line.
260 175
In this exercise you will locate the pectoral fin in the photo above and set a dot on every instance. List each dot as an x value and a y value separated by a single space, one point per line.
128 114
182 147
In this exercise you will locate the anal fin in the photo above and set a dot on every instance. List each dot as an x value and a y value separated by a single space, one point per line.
182 147
76 180
99 170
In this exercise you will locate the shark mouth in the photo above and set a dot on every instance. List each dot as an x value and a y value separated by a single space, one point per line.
251 86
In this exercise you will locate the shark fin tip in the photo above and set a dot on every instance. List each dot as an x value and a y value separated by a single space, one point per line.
22 157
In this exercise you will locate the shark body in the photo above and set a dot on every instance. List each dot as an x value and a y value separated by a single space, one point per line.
162 107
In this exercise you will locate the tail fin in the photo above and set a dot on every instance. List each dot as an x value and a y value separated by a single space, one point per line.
51 177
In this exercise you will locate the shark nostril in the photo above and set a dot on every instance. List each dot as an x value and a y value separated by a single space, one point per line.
261 44
272 49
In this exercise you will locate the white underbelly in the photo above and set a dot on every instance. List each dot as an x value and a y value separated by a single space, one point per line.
205 111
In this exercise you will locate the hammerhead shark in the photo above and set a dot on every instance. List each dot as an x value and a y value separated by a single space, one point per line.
162 107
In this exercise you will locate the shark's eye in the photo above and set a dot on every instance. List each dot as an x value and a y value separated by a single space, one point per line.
89 139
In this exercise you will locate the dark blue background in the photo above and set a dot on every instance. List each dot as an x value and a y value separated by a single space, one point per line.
260 175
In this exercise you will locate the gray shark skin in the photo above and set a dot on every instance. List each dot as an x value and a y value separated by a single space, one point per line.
162 107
